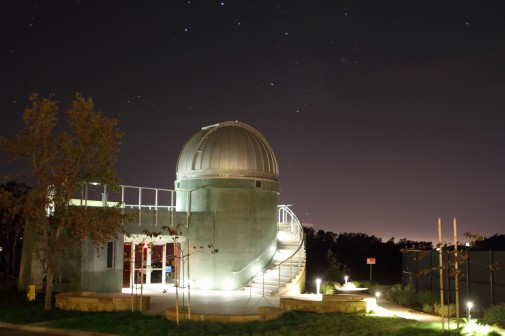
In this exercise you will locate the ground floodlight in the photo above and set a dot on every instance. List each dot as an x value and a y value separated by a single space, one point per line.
469 306
318 285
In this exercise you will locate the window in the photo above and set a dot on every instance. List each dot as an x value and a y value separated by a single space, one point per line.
110 254
258 184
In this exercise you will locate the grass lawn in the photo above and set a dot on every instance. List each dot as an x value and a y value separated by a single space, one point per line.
14 308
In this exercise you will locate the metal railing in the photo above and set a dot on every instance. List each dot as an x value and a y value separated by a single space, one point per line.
287 217
128 197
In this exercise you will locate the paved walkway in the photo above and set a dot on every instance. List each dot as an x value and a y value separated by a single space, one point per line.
386 308
206 301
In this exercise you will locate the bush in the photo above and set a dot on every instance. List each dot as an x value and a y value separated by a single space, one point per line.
405 296
327 288
442 310
394 293
408 298
428 308
427 298
495 315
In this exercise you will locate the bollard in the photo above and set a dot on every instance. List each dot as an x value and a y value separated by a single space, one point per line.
31 293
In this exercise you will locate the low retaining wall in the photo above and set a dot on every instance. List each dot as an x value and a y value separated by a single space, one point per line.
264 314
343 303
89 301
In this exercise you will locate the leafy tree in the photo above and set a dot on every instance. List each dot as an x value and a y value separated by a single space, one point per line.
61 161
13 197
335 270
496 243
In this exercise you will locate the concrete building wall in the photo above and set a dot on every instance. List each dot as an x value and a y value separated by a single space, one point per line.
239 218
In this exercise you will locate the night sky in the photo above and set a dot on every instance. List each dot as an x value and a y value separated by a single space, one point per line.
383 115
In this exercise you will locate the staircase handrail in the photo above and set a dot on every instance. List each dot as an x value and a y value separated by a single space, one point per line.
296 226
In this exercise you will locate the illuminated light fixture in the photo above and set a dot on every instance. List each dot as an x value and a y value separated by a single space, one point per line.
346 278
469 306
377 295
318 285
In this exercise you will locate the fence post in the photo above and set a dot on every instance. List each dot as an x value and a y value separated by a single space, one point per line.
491 283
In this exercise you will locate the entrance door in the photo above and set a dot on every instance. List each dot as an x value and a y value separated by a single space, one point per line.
157 257
152 264
127 257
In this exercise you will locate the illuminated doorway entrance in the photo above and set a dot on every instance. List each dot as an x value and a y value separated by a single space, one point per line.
148 264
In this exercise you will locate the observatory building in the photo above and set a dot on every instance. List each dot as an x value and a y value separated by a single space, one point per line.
220 227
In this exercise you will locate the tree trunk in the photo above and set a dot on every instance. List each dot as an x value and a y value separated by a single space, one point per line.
14 269
49 288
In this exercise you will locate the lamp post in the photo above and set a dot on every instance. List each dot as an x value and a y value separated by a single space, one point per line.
345 279
318 285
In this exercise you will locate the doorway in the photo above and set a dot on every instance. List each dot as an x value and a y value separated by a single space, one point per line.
148 264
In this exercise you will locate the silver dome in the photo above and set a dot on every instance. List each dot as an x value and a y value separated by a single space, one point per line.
229 149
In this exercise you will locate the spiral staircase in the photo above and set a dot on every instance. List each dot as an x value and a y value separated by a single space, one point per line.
286 272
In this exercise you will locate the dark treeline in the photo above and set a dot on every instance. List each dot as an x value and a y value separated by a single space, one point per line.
12 221
331 256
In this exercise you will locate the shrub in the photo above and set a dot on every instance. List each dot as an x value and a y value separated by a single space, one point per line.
408 298
356 284
428 298
428 308
495 315
394 292
405 296
327 288
442 310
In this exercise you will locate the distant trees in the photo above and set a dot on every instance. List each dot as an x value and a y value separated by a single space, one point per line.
330 255
85 150
496 242
13 198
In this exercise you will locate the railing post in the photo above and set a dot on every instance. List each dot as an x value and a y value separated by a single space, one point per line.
156 207
263 290
279 281
140 206
122 200
171 208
